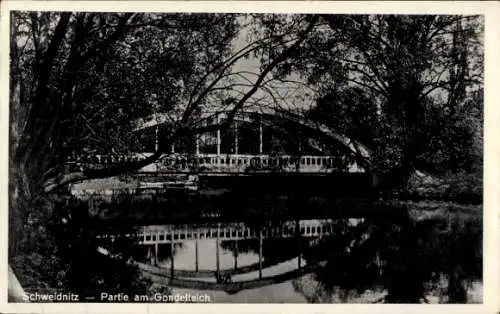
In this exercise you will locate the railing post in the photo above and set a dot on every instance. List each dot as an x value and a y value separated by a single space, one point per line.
235 254
299 238
156 139
260 252
197 143
218 134
150 255
235 137
172 247
156 252
196 249
217 242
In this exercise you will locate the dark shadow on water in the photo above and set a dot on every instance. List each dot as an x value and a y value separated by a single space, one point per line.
90 272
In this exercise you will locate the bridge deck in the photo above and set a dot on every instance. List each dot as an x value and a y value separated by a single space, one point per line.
227 163
167 234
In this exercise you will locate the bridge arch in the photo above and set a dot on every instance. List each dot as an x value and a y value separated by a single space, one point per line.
316 133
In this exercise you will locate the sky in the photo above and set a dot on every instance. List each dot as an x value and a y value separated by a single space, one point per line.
293 95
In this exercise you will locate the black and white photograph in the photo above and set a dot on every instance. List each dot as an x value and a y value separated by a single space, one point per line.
245 157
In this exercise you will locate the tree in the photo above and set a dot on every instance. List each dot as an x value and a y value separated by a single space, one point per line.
80 79
401 73
55 57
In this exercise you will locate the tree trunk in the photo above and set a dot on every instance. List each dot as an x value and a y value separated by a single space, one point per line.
19 204
15 290
15 226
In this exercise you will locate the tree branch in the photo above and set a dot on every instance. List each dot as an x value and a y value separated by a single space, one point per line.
92 51
39 99
284 55
52 184
192 105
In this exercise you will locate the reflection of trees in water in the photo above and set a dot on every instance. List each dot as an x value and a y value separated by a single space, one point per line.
350 258
460 256
405 258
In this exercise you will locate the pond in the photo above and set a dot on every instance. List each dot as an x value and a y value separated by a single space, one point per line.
351 248
419 258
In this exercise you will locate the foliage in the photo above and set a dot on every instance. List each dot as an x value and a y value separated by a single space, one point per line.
458 187
39 268
406 86
96 73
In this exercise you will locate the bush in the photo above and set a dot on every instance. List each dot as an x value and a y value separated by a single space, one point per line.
461 187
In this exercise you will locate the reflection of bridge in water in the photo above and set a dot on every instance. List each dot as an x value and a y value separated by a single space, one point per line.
304 231
149 235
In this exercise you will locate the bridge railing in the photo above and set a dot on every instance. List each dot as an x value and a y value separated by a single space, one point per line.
226 163
168 234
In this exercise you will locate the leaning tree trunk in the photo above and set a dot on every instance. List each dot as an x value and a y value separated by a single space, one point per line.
15 290
15 219
20 205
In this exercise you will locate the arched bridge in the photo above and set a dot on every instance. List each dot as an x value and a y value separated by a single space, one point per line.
256 142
